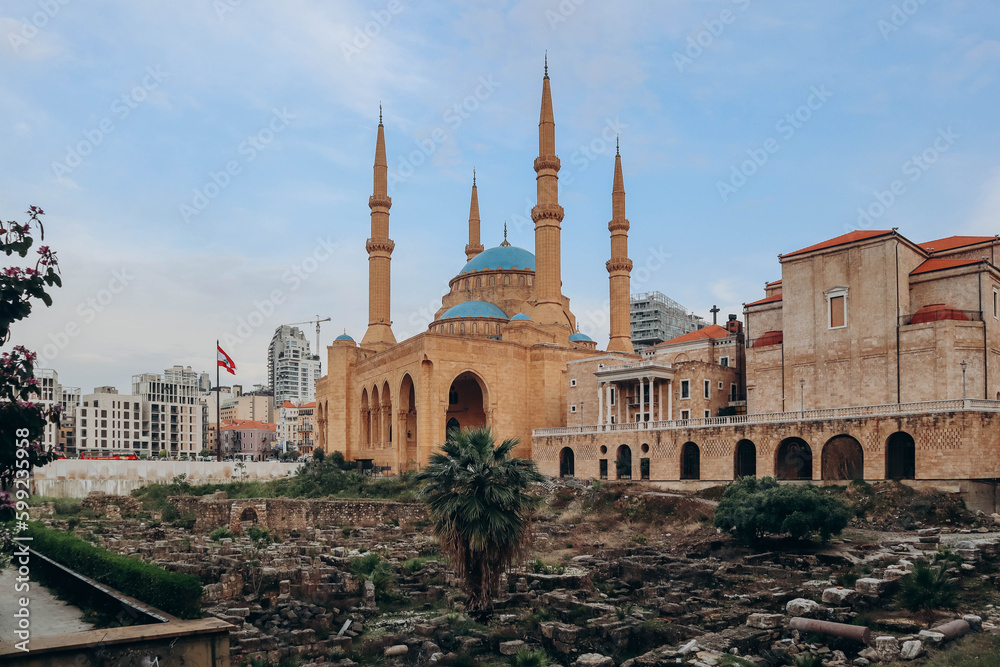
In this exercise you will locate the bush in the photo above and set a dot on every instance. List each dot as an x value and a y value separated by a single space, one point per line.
220 533
319 455
173 592
927 588
372 567
752 508
261 535
526 658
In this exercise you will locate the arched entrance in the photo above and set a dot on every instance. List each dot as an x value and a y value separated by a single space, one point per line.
407 438
623 462
843 459
793 459
365 421
453 425
567 465
690 461
375 420
386 415
467 401
901 456
249 515
746 459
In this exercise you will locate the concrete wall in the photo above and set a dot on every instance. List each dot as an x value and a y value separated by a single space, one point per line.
75 478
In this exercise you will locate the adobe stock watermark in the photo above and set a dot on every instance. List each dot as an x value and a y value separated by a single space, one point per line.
121 109
914 169
656 259
364 34
706 35
581 159
293 277
31 26
247 150
86 312
898 17
453 117
564 10
787 126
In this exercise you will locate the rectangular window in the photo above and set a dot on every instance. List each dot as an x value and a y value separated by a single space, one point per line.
613 394
685 414
996 303
708 389
720 385
838 314
708 414
604 468
685 388
732 392
724 361
572 409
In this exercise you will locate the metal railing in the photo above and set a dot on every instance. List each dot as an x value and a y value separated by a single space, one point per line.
893 409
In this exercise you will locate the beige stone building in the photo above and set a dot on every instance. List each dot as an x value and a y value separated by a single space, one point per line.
496 351
872 357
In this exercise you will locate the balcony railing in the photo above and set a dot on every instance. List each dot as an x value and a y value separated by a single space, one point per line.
971 404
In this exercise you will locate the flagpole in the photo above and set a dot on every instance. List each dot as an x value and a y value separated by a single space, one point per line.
218 411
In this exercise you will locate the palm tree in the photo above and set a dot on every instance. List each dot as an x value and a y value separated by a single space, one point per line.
479 501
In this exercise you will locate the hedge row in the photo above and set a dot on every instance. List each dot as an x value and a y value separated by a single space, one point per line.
173 592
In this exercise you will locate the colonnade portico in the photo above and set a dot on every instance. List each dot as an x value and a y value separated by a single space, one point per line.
649 379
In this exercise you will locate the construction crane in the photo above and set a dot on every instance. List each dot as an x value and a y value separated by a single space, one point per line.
316 322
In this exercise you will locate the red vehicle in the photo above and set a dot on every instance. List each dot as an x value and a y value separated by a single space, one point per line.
115 455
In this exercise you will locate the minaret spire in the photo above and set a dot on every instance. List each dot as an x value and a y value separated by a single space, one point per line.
547 215
379 334
474 247
506 243
619 266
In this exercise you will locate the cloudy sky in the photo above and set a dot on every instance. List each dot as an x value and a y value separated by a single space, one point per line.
205 165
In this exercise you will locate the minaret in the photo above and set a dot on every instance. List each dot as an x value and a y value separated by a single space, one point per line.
474 247
619 267
547 215
379 246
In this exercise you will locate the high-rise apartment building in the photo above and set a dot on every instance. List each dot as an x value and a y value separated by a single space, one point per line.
107 420
292 370
657 318
172 412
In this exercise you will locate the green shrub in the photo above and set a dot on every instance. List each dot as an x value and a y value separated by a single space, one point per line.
66 506
170 513
927 588
372 567
528 659
752 508
173 592
260 535
220 533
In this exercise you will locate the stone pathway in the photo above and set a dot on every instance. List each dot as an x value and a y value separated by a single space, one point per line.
49 615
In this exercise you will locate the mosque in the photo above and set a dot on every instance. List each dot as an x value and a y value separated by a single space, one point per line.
496 353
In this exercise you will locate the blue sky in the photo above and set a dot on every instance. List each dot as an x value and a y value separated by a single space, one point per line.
200 162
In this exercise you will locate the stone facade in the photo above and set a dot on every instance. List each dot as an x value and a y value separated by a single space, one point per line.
284 515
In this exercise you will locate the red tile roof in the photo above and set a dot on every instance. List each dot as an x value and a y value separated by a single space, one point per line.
952 242
711 331
773 283
288 404
309 405
770 299
850 237
940 264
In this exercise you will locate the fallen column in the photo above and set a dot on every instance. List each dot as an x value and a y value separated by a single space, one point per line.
858 633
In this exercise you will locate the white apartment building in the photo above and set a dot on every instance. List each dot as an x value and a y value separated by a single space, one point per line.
107 420
49 394
288 422
292 370
172 413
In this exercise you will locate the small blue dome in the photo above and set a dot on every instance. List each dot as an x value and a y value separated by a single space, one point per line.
502 257
520 317
580 336
343 337
474 309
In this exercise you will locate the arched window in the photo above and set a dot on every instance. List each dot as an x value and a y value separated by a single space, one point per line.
453 425
901 457
479 282
493 280
451 328
623 462
520 281
461 328
465 284
506 280
842 459
475 327
690 461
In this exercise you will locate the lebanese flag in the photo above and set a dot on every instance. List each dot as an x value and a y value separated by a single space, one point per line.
225 361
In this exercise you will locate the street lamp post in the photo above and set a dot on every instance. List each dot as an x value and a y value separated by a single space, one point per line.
963 365
802 396
581 413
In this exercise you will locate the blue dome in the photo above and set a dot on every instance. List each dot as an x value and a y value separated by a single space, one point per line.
520 317
502 257
474 309
343 337
580 336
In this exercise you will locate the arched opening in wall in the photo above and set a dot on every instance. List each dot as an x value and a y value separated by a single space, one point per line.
746 459
386 415
506 280
376 420
793 460
248 516
567 465
468 399
364 425
479 282
406 443
690 461
842 459
623 462
901 456
520 281
453 425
